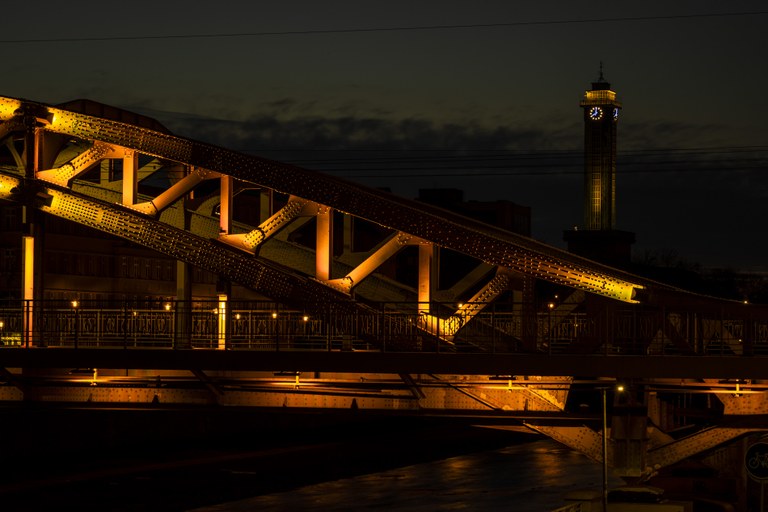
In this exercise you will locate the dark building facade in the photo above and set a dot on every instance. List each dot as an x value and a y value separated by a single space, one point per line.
502 214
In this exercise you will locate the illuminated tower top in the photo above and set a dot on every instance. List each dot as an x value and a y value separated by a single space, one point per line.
598 238
601 115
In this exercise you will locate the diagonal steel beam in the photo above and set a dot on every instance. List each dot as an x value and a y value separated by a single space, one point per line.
80 164
271 279
686 447
250 241
484 242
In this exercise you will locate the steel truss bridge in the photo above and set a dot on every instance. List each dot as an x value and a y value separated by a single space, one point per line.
335 328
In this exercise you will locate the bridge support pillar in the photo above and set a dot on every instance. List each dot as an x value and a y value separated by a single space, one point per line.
28 288
222 309
31 248
225 204
426 257
324 244
183 317
629 433
130 177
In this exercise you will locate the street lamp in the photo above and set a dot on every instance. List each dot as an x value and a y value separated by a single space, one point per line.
550 307
277 331
74 307
604 393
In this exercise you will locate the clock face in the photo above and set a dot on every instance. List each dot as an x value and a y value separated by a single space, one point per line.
615 113
595 113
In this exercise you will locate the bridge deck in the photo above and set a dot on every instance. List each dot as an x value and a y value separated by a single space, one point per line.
618 366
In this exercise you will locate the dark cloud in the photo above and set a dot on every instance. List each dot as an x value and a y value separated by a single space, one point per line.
270 132
670 134
706 201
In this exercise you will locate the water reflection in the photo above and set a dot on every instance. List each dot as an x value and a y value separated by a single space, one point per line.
529 477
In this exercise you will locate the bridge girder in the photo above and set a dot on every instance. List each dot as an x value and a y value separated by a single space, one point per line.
488 244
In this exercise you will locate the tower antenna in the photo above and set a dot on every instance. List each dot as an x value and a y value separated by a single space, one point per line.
601 79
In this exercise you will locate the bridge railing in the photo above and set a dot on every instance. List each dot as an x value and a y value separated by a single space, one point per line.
500 328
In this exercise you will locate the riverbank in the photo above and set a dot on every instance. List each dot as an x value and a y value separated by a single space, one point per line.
65 458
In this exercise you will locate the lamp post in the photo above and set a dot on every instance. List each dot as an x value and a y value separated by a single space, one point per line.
604 395
74 307
277 331
550 307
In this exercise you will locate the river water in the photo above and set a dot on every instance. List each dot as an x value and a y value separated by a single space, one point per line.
528 477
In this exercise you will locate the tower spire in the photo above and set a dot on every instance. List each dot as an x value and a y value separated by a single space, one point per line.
600 240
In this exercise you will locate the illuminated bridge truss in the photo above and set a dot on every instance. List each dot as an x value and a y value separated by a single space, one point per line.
53 148
316 300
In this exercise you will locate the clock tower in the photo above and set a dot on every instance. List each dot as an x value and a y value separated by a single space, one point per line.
598 238
601 117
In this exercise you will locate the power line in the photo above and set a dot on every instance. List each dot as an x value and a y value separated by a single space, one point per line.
364 166
347 161
537 173
346 156
380 29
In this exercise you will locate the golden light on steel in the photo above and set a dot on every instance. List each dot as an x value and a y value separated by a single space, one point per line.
222 322
75 304
8 108
516 253
28 266
274 315
167 306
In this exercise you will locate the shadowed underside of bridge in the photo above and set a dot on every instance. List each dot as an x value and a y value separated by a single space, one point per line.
49 157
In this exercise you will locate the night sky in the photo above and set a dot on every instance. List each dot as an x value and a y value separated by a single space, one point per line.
489 105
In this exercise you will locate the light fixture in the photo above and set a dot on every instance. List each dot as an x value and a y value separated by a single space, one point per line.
604 392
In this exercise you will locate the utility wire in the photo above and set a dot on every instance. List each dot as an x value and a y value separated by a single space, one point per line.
362 164
380 29
469 152
449 165
539 173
